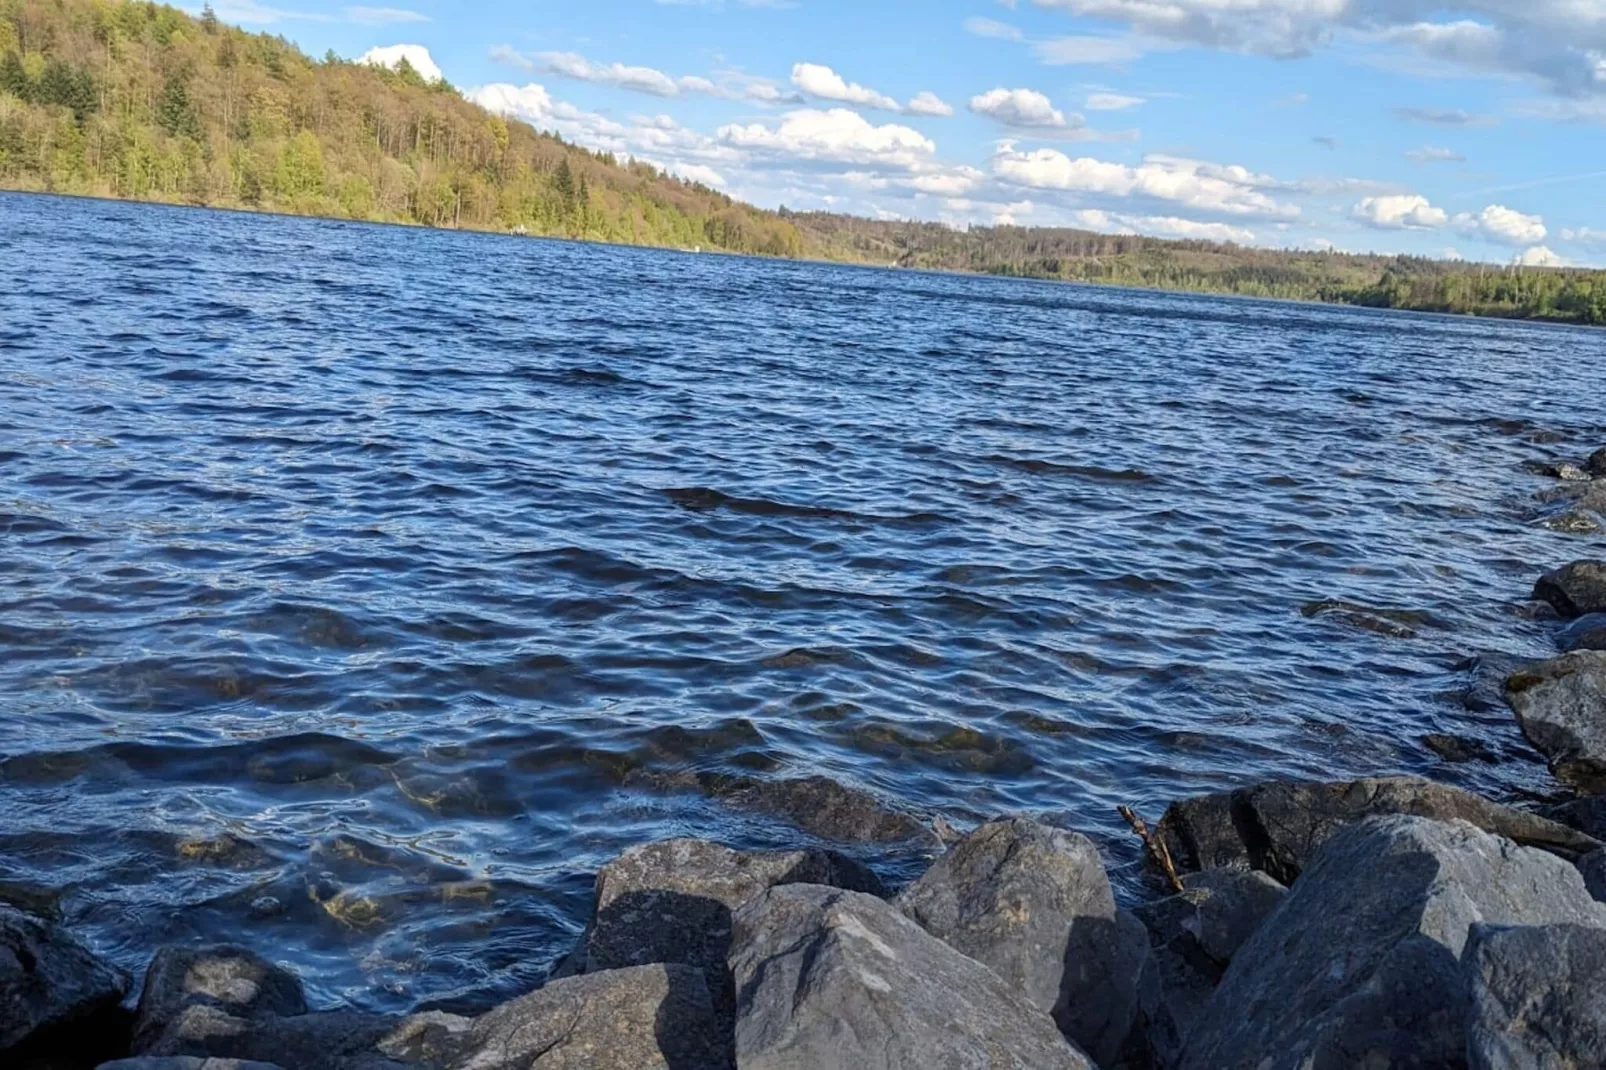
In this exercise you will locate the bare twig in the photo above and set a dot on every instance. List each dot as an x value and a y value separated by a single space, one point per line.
1154 845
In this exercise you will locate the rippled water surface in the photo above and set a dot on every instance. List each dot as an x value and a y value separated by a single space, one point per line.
362 589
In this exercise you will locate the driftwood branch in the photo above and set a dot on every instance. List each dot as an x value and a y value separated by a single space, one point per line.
1154 845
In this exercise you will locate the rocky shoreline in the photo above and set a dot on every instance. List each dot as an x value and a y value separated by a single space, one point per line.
1382 922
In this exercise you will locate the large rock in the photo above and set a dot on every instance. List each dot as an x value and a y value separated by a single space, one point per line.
1193 937
205 983
1360 965
1275 827
1585 633
325 1040
1538 997
655 1017
1033 903
1561 706
48 978
1575 589
672 902
836 980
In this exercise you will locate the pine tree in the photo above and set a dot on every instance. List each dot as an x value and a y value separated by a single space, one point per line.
174 111
14 79
208 19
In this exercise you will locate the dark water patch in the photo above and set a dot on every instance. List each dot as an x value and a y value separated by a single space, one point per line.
1080 471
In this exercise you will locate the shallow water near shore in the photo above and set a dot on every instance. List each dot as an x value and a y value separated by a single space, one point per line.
363 589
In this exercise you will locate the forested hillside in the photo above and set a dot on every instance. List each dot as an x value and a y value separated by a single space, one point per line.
132 99
139 100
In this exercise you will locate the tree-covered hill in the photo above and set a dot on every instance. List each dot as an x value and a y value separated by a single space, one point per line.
132 99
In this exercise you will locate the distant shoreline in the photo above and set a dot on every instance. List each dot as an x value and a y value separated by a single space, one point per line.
156 202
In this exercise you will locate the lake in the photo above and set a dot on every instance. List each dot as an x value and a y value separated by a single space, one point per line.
362 589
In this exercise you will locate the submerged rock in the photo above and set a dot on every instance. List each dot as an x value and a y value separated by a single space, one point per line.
1596 465
672 902
1563 470
322 1040
48 978
1538 997
1561 706
1458 749
1193 937
1033 904
1585 633
822 807
1275 827
1360 964
209 984
835 980
1576 589
657 1017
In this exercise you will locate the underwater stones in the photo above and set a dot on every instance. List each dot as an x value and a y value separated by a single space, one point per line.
1033 903
1459 749
1584 633
825 808
229 981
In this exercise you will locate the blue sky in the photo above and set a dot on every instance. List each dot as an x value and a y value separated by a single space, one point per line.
1367 125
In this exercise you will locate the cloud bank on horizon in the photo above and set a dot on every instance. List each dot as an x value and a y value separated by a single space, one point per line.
1372 125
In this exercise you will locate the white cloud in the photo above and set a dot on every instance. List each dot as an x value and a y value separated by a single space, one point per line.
820 81
697 172
1205 187
1112 101
837 135
1585 235
1405 211
985 27
1442 117
417 56
531 103
1538 256
639 79
1023 108
1505 225
929 103
1435 154
1085 50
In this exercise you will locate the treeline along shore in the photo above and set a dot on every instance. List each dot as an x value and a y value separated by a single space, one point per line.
1388 922
134 100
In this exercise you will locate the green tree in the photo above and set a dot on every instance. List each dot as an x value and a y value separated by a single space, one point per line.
175 112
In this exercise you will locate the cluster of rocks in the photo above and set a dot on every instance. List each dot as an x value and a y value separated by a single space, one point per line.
1577 504
1561 703
1382 922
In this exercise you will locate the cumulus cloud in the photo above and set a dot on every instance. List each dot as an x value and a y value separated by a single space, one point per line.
1024 108
1097 219
1538 256
417 56
639 79
1584 235
1435 154
929 103
837 135
648 80
821 81
1404 211
1204 187
1505 225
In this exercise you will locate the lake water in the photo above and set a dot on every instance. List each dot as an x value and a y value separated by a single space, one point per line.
362 589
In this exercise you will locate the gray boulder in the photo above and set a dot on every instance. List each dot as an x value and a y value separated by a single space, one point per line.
1360 964
183 1062
48 978
1561 706
835 980
206 983
1538 997
672 902
656 1017
1585 633
1033 904
1575 589
324 1040
1193 937
1277 826
1563 470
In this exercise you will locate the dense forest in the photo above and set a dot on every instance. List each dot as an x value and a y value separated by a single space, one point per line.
132 99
